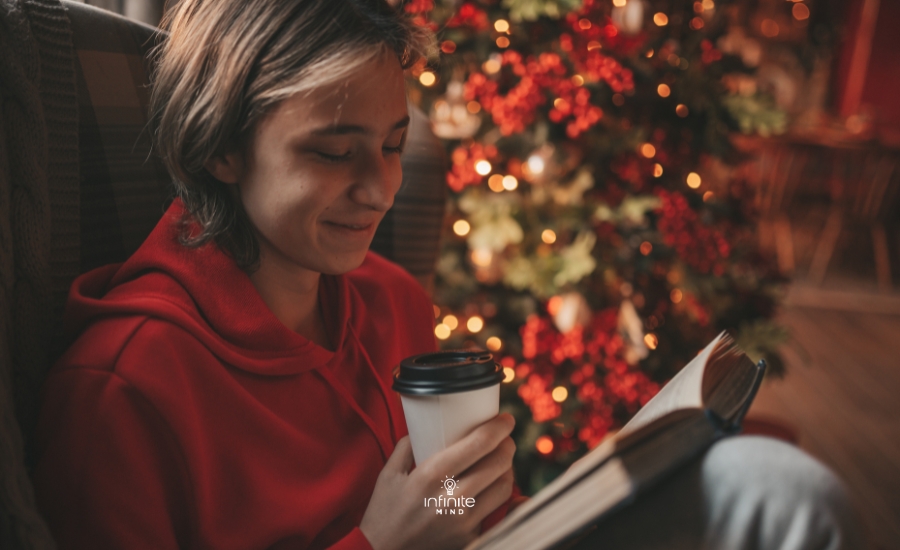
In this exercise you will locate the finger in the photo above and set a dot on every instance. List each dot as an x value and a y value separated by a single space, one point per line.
481 474
401 459
494 495
470 449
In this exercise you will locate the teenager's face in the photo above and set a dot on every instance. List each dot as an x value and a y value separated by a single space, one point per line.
322 169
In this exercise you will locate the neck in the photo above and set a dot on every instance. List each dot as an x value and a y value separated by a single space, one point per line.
292 294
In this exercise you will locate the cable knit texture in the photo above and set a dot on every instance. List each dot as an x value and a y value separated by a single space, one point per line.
38 215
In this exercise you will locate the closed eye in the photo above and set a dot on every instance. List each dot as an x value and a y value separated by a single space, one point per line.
334 158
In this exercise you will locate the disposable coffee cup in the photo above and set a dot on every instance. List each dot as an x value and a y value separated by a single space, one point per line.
446 395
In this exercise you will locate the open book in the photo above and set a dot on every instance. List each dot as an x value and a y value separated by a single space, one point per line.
706 400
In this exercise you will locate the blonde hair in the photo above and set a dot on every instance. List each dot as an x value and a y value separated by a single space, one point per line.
226 63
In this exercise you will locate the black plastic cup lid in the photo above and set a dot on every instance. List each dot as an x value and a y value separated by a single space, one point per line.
448 371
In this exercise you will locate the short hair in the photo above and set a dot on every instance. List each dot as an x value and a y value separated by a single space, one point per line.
226 63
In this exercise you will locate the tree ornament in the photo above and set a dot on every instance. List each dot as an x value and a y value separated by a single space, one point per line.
570 310
629 18
451 117
632 330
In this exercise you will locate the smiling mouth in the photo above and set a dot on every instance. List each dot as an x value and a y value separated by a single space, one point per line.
354 227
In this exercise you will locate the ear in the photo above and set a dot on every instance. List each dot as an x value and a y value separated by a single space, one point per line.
227 168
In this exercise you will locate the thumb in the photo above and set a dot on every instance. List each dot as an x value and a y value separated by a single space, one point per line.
401 459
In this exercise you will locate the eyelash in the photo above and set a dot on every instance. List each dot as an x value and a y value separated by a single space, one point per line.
345 156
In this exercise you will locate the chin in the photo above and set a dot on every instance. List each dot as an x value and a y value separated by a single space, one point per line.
345 263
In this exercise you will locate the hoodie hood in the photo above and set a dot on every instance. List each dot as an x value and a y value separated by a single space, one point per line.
166 280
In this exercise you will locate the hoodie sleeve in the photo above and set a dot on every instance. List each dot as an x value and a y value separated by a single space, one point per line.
110 474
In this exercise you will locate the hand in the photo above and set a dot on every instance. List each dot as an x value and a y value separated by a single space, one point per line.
396 517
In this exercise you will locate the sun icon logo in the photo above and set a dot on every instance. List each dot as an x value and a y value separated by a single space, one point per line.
449 484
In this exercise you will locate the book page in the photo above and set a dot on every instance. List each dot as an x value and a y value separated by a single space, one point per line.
684 391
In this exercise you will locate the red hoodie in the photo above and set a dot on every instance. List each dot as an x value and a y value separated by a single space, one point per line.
186 415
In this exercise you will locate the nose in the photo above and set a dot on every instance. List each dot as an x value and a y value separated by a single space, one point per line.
379 180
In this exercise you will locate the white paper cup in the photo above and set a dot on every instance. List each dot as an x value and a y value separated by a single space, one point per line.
445 396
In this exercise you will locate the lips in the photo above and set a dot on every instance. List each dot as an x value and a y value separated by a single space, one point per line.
353 226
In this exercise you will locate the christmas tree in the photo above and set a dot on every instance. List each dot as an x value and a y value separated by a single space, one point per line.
595 239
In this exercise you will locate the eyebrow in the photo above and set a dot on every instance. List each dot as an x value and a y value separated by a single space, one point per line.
343 129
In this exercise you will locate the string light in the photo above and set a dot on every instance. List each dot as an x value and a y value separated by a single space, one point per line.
483 167
648 150
535 164
657 170
502 42
663 90
510 183
800 12
491 66
584 24
681 110
451 321
475 324
544 444
494 344
646 247
501 25
697 23
651 341
495 183
578 80
473 107
448 46
559 394
620 3
675 296
661 20
693 180
442 331
708 196
427 78
509 374
461 227
548 236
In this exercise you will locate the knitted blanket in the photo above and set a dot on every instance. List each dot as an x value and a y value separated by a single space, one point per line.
38 175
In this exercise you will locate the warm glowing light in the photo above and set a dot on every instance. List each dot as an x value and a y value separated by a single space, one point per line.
553 305
510 182
483 167
501 25
451 321
800 12
681 110
475 323
697 23
657 170
491 66
437 311
663 90
648 150
693 180
646 247
544 444
578 80
620 3
676 296
494 344
708 196
482 257
427 78
708 5
584 24
502 42
651 340
649 53
448 46
535 164
495 183
618 100
461 227
442 331
509 374
698 7
769 28
473 107
548 236
594 45
559 394
660 19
